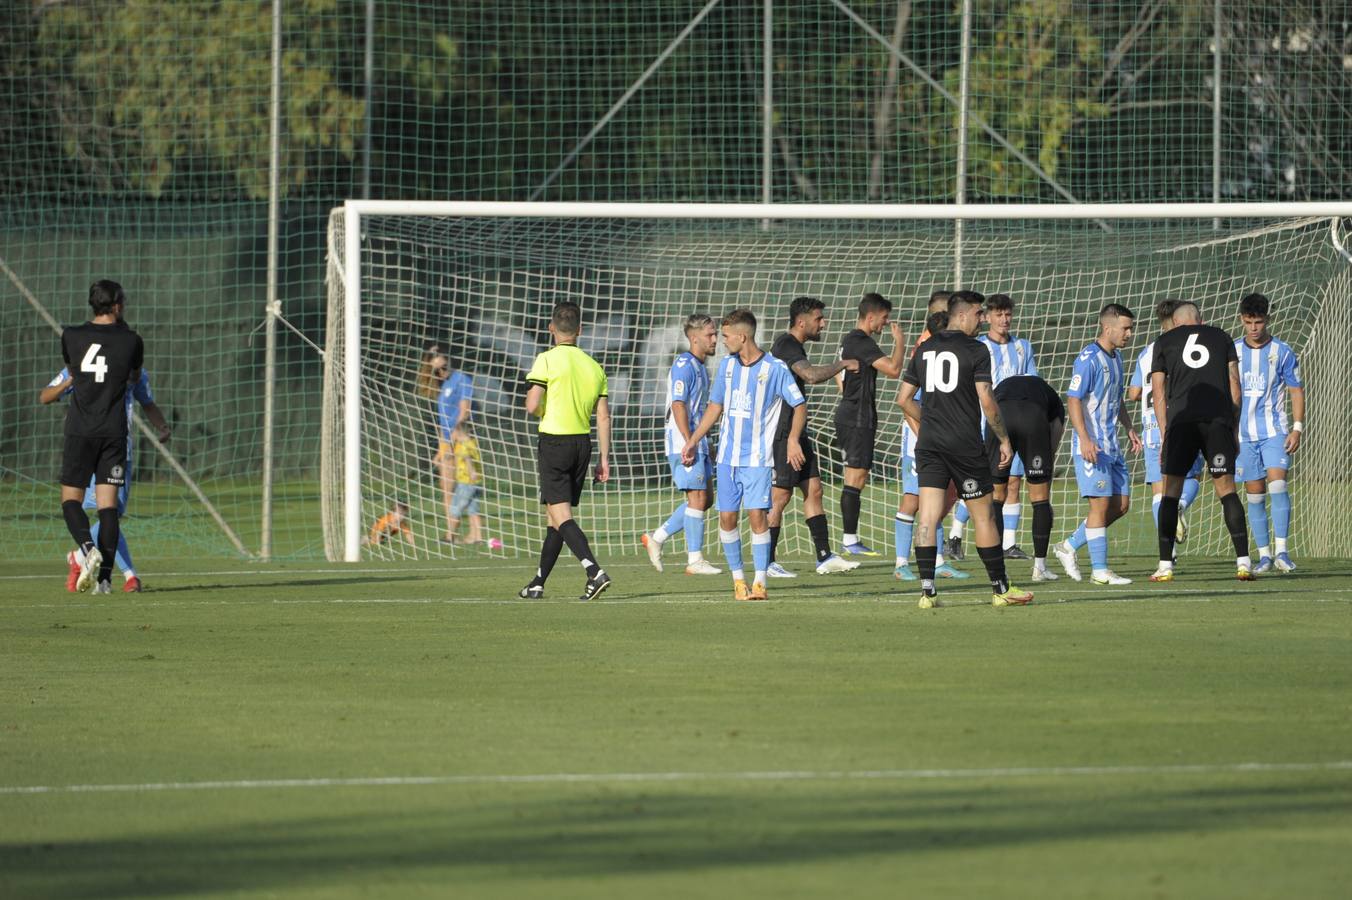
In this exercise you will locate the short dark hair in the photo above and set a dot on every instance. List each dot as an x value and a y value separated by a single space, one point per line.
1118 310
999 301
1254 305
743 317
696 321
105 296
939 295
873 303
1164 310
937 321
960 299
801 306
567 318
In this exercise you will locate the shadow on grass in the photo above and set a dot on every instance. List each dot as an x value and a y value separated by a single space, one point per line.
500 837
252 585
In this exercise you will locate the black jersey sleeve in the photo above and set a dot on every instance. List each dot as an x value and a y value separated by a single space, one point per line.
981 362
911 374
860 346
788 350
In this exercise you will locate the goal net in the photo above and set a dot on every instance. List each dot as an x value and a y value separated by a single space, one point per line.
483 286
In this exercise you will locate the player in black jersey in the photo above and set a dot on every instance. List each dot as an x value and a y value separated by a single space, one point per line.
807 321
1035 418
1194 379
104 358
954 371
857 412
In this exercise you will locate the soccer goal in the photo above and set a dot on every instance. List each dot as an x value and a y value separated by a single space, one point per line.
481 279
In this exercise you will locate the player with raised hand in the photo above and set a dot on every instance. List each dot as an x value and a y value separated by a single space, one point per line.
104 358
747 394
687 396
807 321
1010 355
856 417
1266 366
566 387
1036 419
1096 409
1195 390
953 369
1139 389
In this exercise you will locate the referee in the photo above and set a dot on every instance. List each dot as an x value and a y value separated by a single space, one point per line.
566 385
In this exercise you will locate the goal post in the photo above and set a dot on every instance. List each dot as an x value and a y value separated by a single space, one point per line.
482 277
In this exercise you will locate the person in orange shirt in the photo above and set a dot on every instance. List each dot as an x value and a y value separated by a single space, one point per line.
393 522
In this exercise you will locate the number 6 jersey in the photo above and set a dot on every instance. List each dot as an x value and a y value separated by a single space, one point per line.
102 359
1195 360
947 368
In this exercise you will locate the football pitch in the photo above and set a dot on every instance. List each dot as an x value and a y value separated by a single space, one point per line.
414 730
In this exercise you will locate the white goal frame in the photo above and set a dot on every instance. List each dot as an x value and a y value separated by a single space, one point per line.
355 210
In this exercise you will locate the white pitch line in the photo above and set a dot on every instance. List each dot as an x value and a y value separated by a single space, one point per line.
393 569
1245 768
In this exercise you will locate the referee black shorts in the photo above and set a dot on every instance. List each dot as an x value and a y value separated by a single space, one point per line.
1030 434
785 476
971 472
1215 439
856 445
563 462
103 458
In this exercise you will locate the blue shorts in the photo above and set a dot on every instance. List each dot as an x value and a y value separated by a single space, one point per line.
465 500
1153 475
123 491
1016 467
694 477
744 487
1256 457
1106 478
910 484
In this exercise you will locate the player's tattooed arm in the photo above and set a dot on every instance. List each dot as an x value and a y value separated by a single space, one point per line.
994 421
817 374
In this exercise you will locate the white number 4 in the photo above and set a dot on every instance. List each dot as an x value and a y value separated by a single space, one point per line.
93 363
1194 354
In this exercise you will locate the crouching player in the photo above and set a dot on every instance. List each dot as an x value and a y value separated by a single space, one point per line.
1036 419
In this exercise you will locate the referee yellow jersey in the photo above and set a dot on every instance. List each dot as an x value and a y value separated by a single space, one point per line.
573 382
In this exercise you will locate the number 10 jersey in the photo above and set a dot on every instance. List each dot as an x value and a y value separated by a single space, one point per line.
947 368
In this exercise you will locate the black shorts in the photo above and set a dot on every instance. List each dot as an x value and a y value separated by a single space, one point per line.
105 458
1215 439
1030 434
563 462
970 472
856 445
784 475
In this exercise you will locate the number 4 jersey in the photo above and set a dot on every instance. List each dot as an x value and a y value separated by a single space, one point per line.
1195 360
102 359
947 368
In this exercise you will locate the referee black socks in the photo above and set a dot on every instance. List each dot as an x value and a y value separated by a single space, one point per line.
577 542
77 523
549 554
849 509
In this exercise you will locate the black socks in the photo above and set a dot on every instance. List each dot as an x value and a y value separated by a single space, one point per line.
549 554
577 542
1042 528
821 538
1234 523
993 558
849 509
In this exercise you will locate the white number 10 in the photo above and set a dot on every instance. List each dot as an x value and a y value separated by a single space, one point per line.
941 371
93 363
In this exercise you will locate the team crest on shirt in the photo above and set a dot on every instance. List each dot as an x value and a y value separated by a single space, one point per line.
1101 484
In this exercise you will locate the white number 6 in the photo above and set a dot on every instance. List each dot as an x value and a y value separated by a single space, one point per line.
1194 354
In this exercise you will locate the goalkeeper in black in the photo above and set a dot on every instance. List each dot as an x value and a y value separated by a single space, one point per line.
1035 418
1194 380
954 371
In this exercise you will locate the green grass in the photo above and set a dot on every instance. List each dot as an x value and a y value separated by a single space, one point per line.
836 740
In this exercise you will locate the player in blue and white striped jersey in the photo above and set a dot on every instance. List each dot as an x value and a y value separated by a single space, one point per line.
1010 356
687 397
1266 367
1140 389
1094 402
746 395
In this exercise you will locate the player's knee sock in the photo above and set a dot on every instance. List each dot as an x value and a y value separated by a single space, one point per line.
1042 529
1155 508
1191 487
849 513
694 534
77 523
577 542
1168 528
124 556
1011 513
993 558
674 524
774 542
905 527
732 552
1079 538
110 529
1281 514
938 545
1098 547
1234 523
821 536
760 554
549 554
924 561
1258 522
